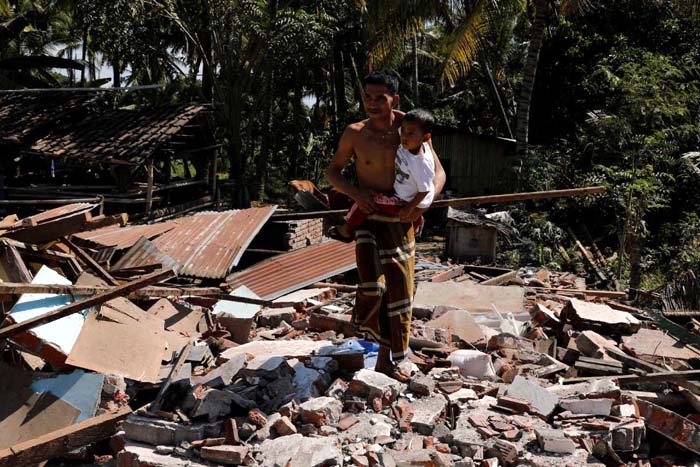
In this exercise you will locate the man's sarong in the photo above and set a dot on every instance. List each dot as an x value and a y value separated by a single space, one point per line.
385 254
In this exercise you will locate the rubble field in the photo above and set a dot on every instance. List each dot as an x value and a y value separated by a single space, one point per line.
123 347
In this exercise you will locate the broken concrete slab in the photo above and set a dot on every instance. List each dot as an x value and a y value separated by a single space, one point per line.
140 455
471 297
659 344
628 435
587 315
460 324
321 411
426 413
372 383
270 368
163 432
555 441
542 401
273 317
587 406
592 344
278 348
222 375
301 296
369 426
299 451
228 455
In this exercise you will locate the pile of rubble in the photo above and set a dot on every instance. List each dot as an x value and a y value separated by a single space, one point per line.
507 367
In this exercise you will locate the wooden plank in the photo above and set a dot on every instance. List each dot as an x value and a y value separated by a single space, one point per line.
87 259
174 370
592 293
648 378
98 299
16 288
516 197
488 270
447 275
472 201
502 279
14 265
65 226
59 442
631 361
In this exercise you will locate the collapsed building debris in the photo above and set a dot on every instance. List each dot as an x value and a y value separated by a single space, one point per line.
126 346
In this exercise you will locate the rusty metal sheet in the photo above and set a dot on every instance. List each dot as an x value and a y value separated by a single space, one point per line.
122 237
291 271
145 253
210 244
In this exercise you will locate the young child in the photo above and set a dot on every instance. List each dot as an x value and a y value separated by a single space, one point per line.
413 185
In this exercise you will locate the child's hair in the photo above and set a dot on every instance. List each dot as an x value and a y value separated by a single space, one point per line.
380 77
422 117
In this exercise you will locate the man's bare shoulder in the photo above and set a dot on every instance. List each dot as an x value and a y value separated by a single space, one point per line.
357 126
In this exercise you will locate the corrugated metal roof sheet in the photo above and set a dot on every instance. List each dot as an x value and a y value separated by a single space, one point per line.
291 271
123 237
145 253
210 244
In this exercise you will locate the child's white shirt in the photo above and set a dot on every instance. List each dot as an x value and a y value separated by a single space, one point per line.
414 174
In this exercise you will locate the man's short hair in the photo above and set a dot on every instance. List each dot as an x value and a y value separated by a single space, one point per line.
380 77
422 117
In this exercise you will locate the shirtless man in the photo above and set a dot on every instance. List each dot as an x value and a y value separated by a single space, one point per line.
385 251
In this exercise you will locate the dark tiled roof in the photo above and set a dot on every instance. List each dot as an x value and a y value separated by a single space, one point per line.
24 116
118 136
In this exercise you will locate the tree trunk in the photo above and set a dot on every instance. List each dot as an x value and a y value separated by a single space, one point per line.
205 39
117 75
497 97
414 52
84 54
530 71
339 80
266 136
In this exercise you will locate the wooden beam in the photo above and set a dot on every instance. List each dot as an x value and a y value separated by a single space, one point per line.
515 197
174 370
592 293
648 378
14 265
15 288
98 299
65 226
59 442
502 279
451 273
472 201
149 187
91 263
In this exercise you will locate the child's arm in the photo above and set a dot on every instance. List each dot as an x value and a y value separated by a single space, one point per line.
406 212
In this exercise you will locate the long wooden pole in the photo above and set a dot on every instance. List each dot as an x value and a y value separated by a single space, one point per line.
76 307
471 201
17 288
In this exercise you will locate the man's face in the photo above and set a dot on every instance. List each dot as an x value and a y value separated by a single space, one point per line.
379 100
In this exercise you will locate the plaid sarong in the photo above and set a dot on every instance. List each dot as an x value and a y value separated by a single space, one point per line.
385 254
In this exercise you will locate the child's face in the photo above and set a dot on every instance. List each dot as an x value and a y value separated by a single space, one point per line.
412 136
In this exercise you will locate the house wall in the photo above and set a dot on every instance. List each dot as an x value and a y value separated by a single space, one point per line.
476 165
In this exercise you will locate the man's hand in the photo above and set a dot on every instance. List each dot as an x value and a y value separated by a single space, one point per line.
408 214
365 200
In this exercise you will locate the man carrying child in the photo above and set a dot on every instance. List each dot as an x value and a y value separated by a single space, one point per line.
396 185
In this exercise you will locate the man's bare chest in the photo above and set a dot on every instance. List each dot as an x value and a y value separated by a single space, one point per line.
377 151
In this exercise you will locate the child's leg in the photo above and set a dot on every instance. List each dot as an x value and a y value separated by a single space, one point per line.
354 218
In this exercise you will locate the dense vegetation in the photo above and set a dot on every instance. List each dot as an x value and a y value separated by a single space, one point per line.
609 91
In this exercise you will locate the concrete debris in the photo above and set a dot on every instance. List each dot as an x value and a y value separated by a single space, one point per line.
507 368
